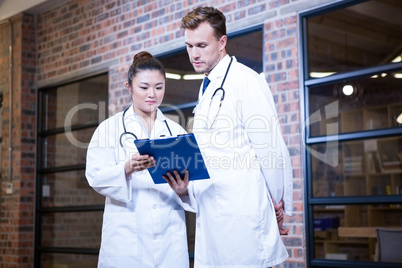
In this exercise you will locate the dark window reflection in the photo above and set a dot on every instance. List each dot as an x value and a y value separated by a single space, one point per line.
357 168
363 35
361 104
348 232
71 230
79 103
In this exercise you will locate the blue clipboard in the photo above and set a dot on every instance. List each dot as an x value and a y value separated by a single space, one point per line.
175 153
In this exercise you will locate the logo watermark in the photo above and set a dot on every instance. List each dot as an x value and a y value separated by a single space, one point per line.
223 133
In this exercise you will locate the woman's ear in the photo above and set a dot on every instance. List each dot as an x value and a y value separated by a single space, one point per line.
129 88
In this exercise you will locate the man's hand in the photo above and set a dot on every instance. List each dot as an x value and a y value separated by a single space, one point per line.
178 184
280 217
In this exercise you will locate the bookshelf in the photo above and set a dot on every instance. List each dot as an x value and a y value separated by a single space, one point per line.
368 167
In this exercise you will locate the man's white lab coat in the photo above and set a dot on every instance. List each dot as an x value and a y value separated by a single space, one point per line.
248 163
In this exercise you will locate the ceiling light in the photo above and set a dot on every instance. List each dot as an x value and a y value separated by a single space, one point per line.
320 74
399 119
397 59
347 90
173 76
193 76
398 75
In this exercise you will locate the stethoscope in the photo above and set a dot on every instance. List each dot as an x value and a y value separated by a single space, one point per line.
222 97
132 134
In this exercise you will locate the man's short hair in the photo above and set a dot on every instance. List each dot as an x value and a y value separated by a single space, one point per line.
211 15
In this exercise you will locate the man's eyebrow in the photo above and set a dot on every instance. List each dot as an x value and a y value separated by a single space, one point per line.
196 44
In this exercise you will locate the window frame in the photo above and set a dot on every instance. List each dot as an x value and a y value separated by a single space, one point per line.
41 171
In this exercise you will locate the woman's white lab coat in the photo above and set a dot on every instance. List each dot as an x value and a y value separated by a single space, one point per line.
143 224
248 163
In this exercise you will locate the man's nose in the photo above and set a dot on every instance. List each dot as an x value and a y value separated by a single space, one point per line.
195 53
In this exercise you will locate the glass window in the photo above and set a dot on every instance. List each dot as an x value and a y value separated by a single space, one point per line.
55 260
357 168
354 128
69 210
366 103
359 36
72 229
66 148
78 103
348 232
64 189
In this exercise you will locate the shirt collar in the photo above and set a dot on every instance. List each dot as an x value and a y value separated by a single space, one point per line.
220 69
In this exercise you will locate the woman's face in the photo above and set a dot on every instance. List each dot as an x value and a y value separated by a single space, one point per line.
147 90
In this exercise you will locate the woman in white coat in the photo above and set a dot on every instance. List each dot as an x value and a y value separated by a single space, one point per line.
143 223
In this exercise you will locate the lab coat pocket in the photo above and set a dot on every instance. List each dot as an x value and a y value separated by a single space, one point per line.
178 230
119 234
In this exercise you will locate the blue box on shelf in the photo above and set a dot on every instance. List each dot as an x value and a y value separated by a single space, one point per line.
322 224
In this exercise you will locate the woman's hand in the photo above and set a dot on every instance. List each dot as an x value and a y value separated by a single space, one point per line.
178 184
138 163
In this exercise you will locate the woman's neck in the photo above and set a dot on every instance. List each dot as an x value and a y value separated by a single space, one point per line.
147 118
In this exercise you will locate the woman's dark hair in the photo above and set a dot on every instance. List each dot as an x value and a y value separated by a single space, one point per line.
144 61
213 16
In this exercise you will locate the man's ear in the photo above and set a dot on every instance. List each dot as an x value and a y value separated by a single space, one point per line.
222 42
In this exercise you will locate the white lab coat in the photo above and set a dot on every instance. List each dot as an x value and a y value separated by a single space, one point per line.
143 224
248 162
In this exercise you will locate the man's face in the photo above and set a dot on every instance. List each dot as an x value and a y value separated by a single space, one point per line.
203 49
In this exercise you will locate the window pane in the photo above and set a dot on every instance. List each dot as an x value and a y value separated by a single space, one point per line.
363 35
357 168
72 229
66 148
360 104
349 232
60 104
68 189
54 260
181 91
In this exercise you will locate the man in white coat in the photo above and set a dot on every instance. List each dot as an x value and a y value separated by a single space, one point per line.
239 135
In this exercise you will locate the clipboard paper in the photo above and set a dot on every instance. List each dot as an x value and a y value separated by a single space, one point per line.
174 153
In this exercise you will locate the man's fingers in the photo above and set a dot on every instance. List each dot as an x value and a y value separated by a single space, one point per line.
284 231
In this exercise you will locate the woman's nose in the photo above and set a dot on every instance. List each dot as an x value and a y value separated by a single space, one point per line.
151 93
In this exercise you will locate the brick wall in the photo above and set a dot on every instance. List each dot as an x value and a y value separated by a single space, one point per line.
79 36
281 68
17 208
